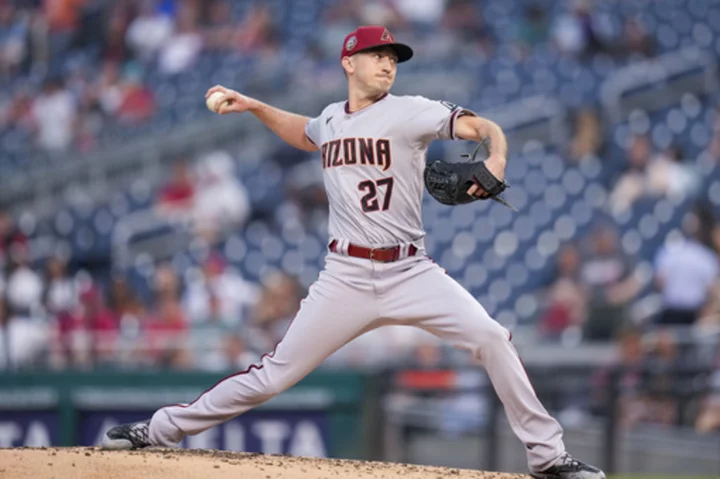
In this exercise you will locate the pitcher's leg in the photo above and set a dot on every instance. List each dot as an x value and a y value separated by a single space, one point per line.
329 317
490 344
435 302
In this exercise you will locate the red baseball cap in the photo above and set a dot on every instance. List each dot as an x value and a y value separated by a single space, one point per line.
367 37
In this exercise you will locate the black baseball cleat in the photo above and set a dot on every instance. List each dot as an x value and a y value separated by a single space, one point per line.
569 468
128 436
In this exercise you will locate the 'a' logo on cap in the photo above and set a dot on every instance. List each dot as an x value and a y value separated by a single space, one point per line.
387 36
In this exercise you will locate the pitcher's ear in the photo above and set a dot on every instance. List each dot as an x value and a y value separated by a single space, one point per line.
348 65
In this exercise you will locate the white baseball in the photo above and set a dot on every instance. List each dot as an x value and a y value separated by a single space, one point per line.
213 101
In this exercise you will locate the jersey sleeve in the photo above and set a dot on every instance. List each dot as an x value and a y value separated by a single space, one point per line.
312 130
433 120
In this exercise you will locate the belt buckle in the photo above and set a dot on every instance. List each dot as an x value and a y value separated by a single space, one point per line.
372 254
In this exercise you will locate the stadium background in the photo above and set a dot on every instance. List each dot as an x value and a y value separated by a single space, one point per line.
149 247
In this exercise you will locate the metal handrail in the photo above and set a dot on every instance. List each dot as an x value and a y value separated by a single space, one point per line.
660 70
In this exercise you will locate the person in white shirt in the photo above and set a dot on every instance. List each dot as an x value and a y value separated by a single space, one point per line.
685 272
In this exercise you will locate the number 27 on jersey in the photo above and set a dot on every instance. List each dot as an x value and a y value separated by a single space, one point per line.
370 201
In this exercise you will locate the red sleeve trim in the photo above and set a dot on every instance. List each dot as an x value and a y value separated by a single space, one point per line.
455 115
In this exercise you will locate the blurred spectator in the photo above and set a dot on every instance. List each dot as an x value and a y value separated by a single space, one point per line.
588 138
609 278
11 238
383 12
463 18
221 30
644 379
219 295
630 379
89 35
121 94
278 303
114 48
165 331
635 39
338 19
708 419
428 354
60 293
714 146
305 191
420 12
5 358
257 32
709 317
661 364
177 197
88 333
576 33
166 335
14 29
634 182
233 355
148 31
182 49
685 272
534 28
63 15
54 113
137 102
166 283
566 298
18 111
23 339
24 287
669 174
221 201
665 174
107 88
131 316
123 302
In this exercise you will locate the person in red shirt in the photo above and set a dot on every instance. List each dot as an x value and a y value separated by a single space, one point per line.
88 333
178 195
10 236
166 328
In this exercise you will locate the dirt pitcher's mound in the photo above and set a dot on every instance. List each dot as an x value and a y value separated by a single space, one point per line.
93 463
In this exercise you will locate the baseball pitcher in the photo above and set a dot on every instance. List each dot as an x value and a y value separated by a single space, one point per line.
373 148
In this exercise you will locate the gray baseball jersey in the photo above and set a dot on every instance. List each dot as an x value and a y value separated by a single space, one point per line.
373 161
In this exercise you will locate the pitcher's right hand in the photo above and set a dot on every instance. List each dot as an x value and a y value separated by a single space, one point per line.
232 101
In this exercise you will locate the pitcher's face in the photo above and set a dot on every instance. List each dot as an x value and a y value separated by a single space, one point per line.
373 70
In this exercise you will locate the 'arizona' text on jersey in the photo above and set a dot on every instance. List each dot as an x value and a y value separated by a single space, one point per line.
373 161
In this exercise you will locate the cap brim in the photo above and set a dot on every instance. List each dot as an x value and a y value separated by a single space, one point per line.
403 52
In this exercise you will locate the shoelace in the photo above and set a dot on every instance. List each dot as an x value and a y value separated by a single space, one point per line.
139 433
568 460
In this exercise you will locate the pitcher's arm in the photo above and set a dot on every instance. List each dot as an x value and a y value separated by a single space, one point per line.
290 127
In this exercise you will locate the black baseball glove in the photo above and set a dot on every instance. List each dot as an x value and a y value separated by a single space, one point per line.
449 182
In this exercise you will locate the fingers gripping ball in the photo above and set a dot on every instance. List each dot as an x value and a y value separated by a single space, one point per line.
213 102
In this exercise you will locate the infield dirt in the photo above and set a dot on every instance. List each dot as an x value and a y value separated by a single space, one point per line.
86 462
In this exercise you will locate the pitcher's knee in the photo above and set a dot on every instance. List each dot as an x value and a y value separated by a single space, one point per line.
493 334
